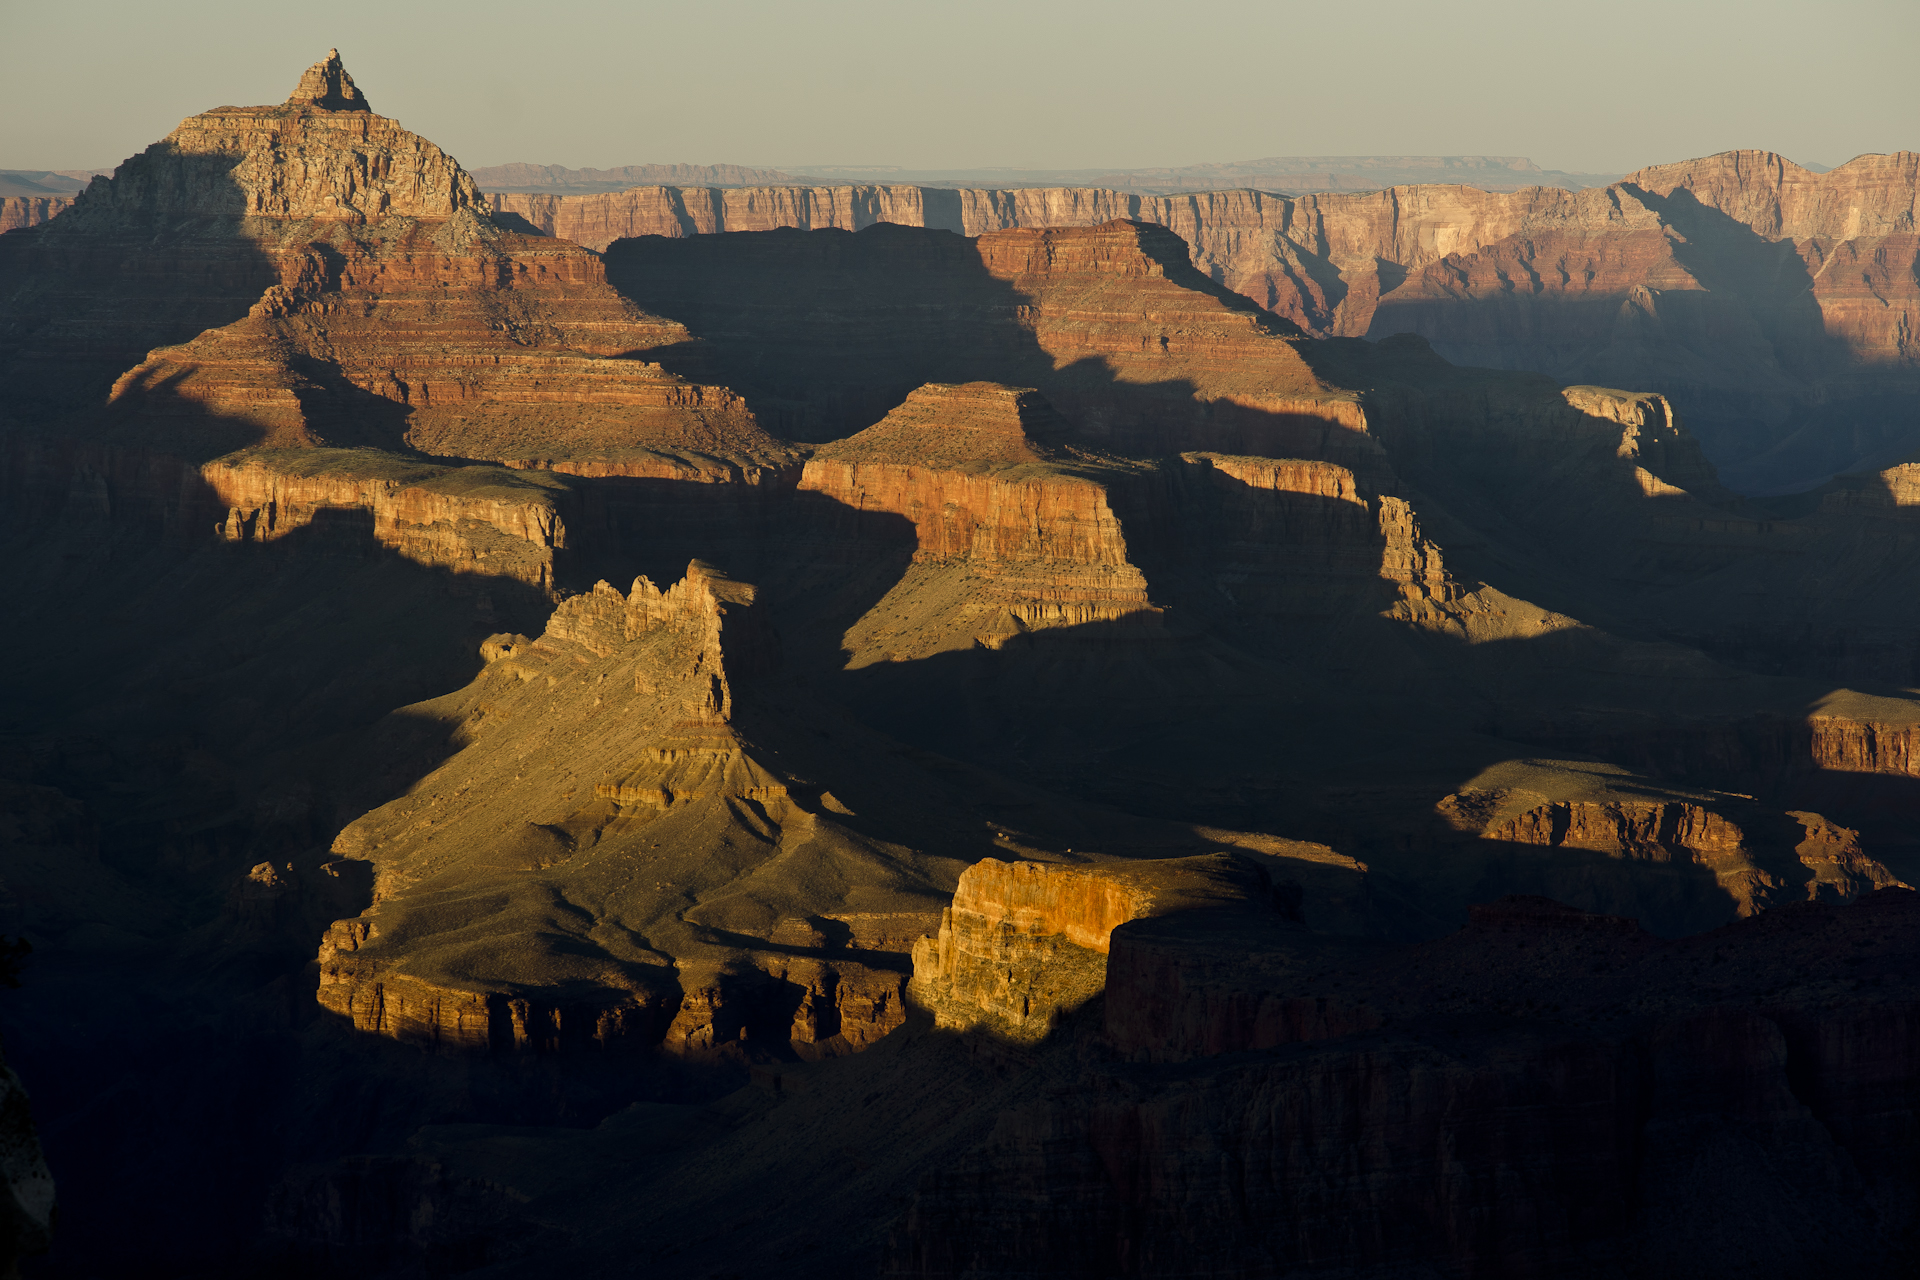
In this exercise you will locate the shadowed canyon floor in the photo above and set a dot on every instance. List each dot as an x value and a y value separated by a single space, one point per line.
911 753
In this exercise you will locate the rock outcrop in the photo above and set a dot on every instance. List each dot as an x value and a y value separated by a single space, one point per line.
1025 944
486 520
1671 279
985 477
19 212
350 290
1071 566
1110 323
646 800
1578 1091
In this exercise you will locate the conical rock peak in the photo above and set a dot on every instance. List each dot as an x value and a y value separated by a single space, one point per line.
327 85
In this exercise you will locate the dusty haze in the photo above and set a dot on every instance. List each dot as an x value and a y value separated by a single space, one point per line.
1060 86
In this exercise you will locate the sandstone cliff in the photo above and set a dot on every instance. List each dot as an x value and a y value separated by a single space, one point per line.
1025 944
1322 1077
19 212
988 482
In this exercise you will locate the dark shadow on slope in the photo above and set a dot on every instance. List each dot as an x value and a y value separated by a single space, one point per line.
622 527
825 332
1284 701
516 223
1768 277
1747 358
147 259
216 707
346 416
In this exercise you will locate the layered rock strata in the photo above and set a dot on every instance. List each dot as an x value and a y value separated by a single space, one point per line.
599 764
1324 260
486 520
349 290
1756 860
20 212
986 479
1590 1090
1025 944
1752 290
1137 349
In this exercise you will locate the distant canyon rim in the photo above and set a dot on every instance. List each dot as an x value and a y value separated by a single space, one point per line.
741 726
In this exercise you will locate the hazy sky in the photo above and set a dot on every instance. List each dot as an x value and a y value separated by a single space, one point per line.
1593 87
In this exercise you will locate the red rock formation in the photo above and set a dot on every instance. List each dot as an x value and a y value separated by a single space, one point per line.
1139 351
1831 866
1669 280
1326 260
982 474
1300 539
1576 1091
371 269
1022 946
597 220
468 520
20 212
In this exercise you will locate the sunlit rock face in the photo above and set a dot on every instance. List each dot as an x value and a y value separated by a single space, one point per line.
1060 727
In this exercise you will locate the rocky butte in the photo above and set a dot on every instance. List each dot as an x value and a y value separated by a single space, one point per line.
974 750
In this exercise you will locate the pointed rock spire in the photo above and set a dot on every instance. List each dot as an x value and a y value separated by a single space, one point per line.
327 85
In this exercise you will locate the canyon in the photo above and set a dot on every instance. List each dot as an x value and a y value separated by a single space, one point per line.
1791 369
937 732
1771 303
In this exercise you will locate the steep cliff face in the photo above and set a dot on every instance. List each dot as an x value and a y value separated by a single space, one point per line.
1755 292
1740 284
1141 352
1093 568
347 288
1013 530
464 346
605 748
20 212
1296 539
1546 1069
1765 863
484 520
1025 944
233 195
598 219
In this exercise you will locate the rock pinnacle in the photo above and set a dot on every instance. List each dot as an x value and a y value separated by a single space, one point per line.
327 85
